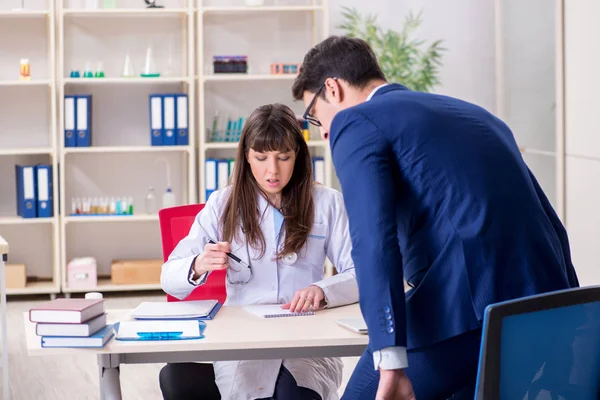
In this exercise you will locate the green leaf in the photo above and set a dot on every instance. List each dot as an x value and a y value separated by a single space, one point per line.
403 58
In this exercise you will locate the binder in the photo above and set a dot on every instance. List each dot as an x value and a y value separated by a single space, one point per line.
231 166
84 120
222 173
70 118
210 176
182 120
26 199
160 330
169 120
156 120
45 204
319 169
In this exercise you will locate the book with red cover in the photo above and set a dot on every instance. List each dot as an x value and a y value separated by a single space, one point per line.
67 311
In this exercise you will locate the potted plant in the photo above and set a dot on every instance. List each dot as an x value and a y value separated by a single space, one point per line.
403 59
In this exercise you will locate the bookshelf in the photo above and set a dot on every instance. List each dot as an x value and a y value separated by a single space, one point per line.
227 27
121 161
28 137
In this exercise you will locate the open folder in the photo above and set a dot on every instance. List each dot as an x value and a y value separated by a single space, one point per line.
196 309
160 330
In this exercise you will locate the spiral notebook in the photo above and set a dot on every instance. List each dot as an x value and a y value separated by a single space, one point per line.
274 311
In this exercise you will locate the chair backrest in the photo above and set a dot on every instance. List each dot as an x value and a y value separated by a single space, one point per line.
175 224
542 347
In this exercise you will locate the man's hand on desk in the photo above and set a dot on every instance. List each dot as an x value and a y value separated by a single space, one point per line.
394 385
303 299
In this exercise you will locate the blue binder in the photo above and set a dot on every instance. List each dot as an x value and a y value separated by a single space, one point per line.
181 109
210 176
26 191
84 120
156 120
70 120
45 203
169 113
165 335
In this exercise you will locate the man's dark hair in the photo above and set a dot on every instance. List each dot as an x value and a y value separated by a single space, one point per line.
350 59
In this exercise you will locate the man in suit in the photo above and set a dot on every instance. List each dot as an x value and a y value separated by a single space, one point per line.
437 194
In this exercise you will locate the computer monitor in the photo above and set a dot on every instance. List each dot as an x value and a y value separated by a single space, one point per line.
542 347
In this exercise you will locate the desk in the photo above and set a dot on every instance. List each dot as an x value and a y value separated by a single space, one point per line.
3 259
233 335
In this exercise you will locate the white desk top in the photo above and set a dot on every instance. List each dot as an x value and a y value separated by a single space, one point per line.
232 329
3 246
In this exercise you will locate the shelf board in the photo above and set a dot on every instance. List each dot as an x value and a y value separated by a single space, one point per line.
221 10
15 220
24 13
248 77
111 218
126 81
125 149
42 287
26 151
105 285
125 12
234 145
33 82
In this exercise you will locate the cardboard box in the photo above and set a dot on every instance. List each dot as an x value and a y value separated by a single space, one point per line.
16 276
130 272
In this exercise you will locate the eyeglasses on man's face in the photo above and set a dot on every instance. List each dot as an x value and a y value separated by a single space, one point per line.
307 116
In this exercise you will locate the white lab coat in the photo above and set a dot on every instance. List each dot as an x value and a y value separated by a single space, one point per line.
274 282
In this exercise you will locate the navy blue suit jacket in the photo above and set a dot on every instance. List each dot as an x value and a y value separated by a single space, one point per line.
438 193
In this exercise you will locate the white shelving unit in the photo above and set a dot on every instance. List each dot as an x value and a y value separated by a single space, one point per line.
121 162
28 136
227 27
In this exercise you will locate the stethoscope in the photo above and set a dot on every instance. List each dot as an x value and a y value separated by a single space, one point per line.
288 259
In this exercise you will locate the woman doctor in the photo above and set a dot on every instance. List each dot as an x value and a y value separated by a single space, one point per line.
281 225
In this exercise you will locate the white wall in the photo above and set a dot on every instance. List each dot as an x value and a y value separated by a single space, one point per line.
467 28
582 84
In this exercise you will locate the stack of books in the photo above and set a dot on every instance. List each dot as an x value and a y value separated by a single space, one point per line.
72 323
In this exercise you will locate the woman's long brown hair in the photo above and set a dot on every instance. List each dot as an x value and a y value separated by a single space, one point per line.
272 127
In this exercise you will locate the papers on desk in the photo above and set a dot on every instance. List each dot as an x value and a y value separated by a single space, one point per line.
180 310
160 330
274 311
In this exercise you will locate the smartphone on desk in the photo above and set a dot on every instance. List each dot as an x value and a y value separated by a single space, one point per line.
357 325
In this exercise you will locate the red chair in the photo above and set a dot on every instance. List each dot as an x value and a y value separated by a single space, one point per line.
175 224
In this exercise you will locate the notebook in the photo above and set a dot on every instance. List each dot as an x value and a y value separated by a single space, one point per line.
195 309
274 311
357 325
78 330
160 330
98 339
67 311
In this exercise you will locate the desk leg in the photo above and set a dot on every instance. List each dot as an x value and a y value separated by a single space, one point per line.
110 380
5 382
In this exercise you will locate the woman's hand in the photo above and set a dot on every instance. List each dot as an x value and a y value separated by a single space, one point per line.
214 258
303 299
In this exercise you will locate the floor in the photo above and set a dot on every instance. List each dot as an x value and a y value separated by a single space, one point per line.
69 377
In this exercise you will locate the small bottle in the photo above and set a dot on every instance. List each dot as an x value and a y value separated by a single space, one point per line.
113 206
124 206
119 207
130 201
99 71
150 201
168 199
87 73
74 206
24 70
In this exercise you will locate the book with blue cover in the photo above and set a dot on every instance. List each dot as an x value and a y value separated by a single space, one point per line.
97 340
